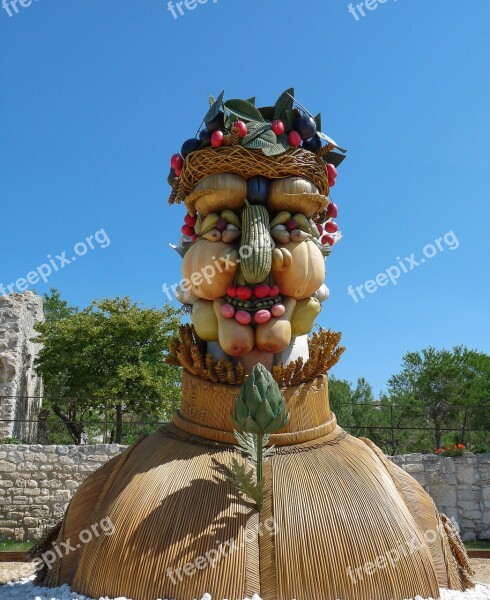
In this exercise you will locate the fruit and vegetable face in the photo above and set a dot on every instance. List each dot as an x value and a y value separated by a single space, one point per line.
255 237
254 274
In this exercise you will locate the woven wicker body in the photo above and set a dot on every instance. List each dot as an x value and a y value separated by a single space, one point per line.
339 520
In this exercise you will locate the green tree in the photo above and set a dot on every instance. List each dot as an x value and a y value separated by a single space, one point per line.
55 308
108 359
442 390
356 409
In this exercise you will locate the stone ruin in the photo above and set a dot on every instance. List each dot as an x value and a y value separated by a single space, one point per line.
20 387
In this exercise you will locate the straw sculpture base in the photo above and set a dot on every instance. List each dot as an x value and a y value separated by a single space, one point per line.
339 520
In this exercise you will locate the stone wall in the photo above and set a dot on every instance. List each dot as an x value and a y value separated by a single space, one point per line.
36 483
20 387
460 487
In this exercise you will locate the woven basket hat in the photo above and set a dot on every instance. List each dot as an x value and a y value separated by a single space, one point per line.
248 163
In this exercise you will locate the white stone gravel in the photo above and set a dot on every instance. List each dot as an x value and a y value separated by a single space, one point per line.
25 590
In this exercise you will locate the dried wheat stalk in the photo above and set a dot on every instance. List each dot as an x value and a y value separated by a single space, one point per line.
323 347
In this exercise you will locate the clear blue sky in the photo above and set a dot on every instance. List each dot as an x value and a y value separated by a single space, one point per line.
98 95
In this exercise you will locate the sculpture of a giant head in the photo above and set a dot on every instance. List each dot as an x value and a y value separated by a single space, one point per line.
259 225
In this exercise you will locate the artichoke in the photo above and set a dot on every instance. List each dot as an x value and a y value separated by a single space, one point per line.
260 407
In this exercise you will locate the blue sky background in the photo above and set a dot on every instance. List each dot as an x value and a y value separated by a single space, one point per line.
98 95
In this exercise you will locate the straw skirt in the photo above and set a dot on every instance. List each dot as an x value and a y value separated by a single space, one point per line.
339 521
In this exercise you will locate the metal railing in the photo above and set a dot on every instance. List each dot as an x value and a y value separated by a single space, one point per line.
393 432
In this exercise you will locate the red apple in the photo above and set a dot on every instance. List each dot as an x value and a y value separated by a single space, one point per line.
188 220
176 162
331 227
294 139
217 139
242 128
244 292
187 231
262 291
332 210
278 127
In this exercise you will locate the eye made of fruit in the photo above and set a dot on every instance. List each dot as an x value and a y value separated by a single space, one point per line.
259 226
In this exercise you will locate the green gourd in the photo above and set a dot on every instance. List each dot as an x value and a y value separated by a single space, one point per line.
256 244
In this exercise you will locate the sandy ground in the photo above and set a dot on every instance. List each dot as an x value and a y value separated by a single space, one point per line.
13 571
482 569
16 571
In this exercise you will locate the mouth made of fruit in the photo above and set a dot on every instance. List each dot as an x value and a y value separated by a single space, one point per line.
252 305
239 331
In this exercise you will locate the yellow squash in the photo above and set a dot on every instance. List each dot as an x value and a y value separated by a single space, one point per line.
210 268
234 339
295 195
304 315
303 274
204 320
275 336
224 191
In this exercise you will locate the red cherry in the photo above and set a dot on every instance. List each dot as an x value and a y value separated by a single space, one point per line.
231 291
221 224
278 127
331 182
195 238
332 210
178 172
331 227
320 228
187 231
291 225
242 128
332 171
176 162
244 292
191 221
294 139
328 239
217 139
262 291
274 291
